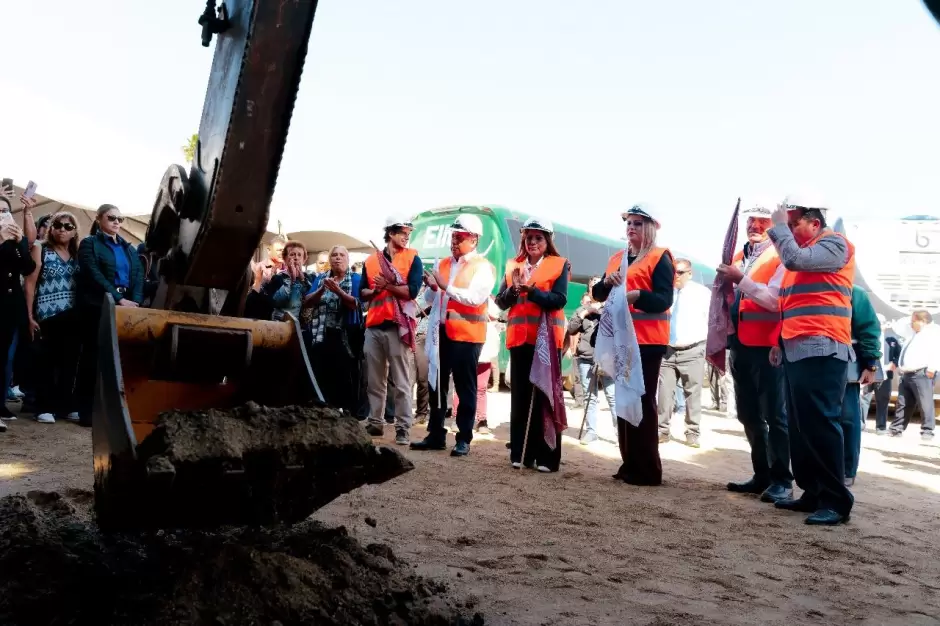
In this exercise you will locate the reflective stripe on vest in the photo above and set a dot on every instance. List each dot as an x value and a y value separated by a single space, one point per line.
522 324
463 322
758 327
651 328
816 304
382 306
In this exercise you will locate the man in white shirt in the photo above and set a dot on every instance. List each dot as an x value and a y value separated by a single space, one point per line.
918 366
684 361
458 291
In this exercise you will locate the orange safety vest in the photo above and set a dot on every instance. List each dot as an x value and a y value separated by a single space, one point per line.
816 304
758 327
382 306
651 328
464 322
522 324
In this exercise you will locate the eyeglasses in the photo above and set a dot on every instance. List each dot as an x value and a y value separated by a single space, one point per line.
683 272
63 226
116 218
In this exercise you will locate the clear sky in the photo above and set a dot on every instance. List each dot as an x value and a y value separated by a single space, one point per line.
572 111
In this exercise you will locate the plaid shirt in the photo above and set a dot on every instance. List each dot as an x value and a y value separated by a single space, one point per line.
329 313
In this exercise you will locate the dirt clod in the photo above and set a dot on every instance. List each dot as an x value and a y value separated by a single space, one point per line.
56 567
248 465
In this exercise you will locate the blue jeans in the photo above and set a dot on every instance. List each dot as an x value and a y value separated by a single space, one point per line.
588 373
8 373
851 428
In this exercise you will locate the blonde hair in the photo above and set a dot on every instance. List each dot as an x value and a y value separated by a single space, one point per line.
647 239
73 242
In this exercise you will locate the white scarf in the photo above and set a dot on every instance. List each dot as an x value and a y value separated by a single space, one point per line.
617 352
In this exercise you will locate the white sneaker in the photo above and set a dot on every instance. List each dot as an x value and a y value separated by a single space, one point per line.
516 465
16 392
543 469
45 418
73 416
3 427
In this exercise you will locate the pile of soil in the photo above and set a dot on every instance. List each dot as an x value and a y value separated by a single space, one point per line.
57 567
248 465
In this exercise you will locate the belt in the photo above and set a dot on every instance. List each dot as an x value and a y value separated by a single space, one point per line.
688 347
121 289
919 370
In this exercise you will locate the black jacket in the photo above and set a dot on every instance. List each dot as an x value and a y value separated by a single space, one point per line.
15 262
585 328
98 271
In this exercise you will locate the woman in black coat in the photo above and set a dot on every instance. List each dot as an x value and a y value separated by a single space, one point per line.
109 265
15 262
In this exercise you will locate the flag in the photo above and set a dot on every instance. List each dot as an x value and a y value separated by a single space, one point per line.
406 323
617 353
433 339
545 375
719 310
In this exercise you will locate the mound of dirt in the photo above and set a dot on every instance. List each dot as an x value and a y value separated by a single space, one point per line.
249 465
56 567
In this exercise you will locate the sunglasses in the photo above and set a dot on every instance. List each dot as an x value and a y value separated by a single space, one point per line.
115 218
67 227
683 272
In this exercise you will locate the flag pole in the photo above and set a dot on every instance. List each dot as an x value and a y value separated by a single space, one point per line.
587 399
528 422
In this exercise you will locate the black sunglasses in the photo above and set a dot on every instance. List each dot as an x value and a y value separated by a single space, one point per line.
115 218
67 227
682 272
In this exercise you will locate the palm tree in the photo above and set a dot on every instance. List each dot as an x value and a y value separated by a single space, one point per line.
189 150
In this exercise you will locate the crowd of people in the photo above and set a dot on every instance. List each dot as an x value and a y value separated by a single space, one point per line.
806 352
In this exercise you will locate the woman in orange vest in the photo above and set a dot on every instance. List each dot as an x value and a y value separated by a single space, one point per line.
650 277
536 280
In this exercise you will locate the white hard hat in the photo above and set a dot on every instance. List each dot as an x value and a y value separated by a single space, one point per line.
398 221
761 209
797 201
534 223
643 211
468 223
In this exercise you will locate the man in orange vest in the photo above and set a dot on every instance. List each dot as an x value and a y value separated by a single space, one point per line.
387 357
459 291
759 386
816 337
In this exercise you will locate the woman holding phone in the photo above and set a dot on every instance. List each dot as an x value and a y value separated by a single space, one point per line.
51 298
108 265
15 261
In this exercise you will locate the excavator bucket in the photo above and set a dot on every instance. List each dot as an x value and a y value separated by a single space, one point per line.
154 362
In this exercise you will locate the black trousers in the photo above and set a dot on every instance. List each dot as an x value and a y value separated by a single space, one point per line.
815 389
58 351
760 396
639 445
458 359
536 450
337 372
914 389
89 318
882 398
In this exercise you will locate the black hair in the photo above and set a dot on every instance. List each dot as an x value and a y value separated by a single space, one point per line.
104 208
814 214
392 230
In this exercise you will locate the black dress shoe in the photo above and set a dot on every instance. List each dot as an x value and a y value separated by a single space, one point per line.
826 517
776 493
748 486
800 505
461 449
428 444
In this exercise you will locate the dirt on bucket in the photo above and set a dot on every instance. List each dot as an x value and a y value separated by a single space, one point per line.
251 465
57 567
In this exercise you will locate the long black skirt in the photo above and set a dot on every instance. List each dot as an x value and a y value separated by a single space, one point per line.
537 452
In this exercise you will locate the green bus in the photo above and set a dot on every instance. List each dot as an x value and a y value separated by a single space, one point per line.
587 252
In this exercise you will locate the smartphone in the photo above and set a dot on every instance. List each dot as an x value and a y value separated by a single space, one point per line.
30 190
7 182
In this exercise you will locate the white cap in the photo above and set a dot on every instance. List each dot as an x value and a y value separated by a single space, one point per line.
796 201
643 211
396 221
762 209
468 223
535 223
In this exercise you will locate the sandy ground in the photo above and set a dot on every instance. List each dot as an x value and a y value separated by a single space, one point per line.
577 547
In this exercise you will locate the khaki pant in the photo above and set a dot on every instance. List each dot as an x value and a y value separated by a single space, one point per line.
388 358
